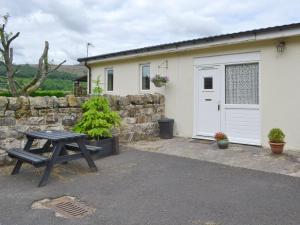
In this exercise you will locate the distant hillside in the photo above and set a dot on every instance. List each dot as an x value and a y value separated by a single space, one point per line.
58 80
78 69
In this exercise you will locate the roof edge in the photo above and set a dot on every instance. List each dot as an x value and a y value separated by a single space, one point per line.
191 42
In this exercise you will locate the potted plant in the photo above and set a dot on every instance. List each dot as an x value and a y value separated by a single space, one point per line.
276 140
97 122
221 140
160 81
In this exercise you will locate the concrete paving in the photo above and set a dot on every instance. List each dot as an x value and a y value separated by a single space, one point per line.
145 188
244 156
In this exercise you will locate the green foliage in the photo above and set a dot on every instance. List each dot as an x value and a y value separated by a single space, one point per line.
98 119
41 93
97 89
50 93
276 135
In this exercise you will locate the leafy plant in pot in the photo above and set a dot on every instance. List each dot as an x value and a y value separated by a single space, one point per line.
221 140
276 140
159 80
97 122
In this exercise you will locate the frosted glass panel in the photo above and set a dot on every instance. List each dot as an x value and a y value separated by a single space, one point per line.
241 84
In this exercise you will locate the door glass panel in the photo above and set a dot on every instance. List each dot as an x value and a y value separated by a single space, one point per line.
241 84
208 83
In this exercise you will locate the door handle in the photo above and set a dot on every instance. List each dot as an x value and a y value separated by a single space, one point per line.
218 107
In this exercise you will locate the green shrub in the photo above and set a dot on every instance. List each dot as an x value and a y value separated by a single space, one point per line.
98 119
276 135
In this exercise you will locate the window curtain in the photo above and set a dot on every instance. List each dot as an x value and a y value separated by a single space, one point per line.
241 84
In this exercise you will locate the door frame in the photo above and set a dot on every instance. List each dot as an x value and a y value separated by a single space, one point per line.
222 60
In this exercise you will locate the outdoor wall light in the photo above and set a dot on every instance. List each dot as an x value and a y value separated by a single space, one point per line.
280 47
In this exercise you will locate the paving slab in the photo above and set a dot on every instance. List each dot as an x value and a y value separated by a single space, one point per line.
145 188
245 156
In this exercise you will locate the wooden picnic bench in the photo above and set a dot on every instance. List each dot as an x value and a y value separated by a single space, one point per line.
58 142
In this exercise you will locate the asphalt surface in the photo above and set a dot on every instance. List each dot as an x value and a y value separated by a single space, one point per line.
143 188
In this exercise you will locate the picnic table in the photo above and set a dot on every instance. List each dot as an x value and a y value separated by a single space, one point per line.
56 144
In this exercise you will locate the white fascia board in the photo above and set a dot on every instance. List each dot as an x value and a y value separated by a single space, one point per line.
227 41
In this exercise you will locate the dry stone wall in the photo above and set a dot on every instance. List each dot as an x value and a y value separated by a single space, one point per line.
139 117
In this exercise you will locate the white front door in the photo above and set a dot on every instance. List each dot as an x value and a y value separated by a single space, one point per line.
227 97
209 97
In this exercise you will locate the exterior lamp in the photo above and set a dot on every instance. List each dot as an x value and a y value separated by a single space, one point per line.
280 47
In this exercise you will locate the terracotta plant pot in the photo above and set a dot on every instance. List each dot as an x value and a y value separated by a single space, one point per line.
276 148
223 144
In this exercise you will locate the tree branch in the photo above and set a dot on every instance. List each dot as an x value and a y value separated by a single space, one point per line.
12 38
56 68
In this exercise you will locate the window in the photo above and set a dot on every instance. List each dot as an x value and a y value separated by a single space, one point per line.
109 79
208 83
241 84
145 76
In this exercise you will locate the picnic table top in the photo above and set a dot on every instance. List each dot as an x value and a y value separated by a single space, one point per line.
55 135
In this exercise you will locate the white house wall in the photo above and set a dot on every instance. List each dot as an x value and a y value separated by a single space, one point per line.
279 88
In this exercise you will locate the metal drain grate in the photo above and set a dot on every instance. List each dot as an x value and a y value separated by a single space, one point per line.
66 206
71 209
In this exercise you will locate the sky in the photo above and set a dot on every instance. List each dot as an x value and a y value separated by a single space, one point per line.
115 25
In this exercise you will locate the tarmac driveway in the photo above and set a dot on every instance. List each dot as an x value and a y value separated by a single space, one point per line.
144 188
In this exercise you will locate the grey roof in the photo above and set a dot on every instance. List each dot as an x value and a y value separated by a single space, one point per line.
191 42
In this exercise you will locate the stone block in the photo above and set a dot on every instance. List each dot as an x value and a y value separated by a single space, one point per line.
22 113
41 102
72 101
3 103
9 143
123 101
68 120
54 101
62 102
7 121
36 120
10 113
25 104
51 118
129 120
14 103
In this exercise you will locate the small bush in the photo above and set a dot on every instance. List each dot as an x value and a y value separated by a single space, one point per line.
276 135
98 119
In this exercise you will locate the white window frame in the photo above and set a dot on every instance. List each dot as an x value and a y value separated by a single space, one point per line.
141 77
106 79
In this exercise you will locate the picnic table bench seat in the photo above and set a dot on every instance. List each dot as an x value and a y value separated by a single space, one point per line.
92 149
34 159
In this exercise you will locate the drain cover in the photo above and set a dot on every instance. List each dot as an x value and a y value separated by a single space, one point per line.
65 206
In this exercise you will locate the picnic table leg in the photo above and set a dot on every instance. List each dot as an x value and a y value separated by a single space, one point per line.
19 163
49 166
87 156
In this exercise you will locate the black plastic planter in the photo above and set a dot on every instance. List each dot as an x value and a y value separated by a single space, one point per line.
110 146
166 128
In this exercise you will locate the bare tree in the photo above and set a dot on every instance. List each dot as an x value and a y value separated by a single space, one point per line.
7 56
